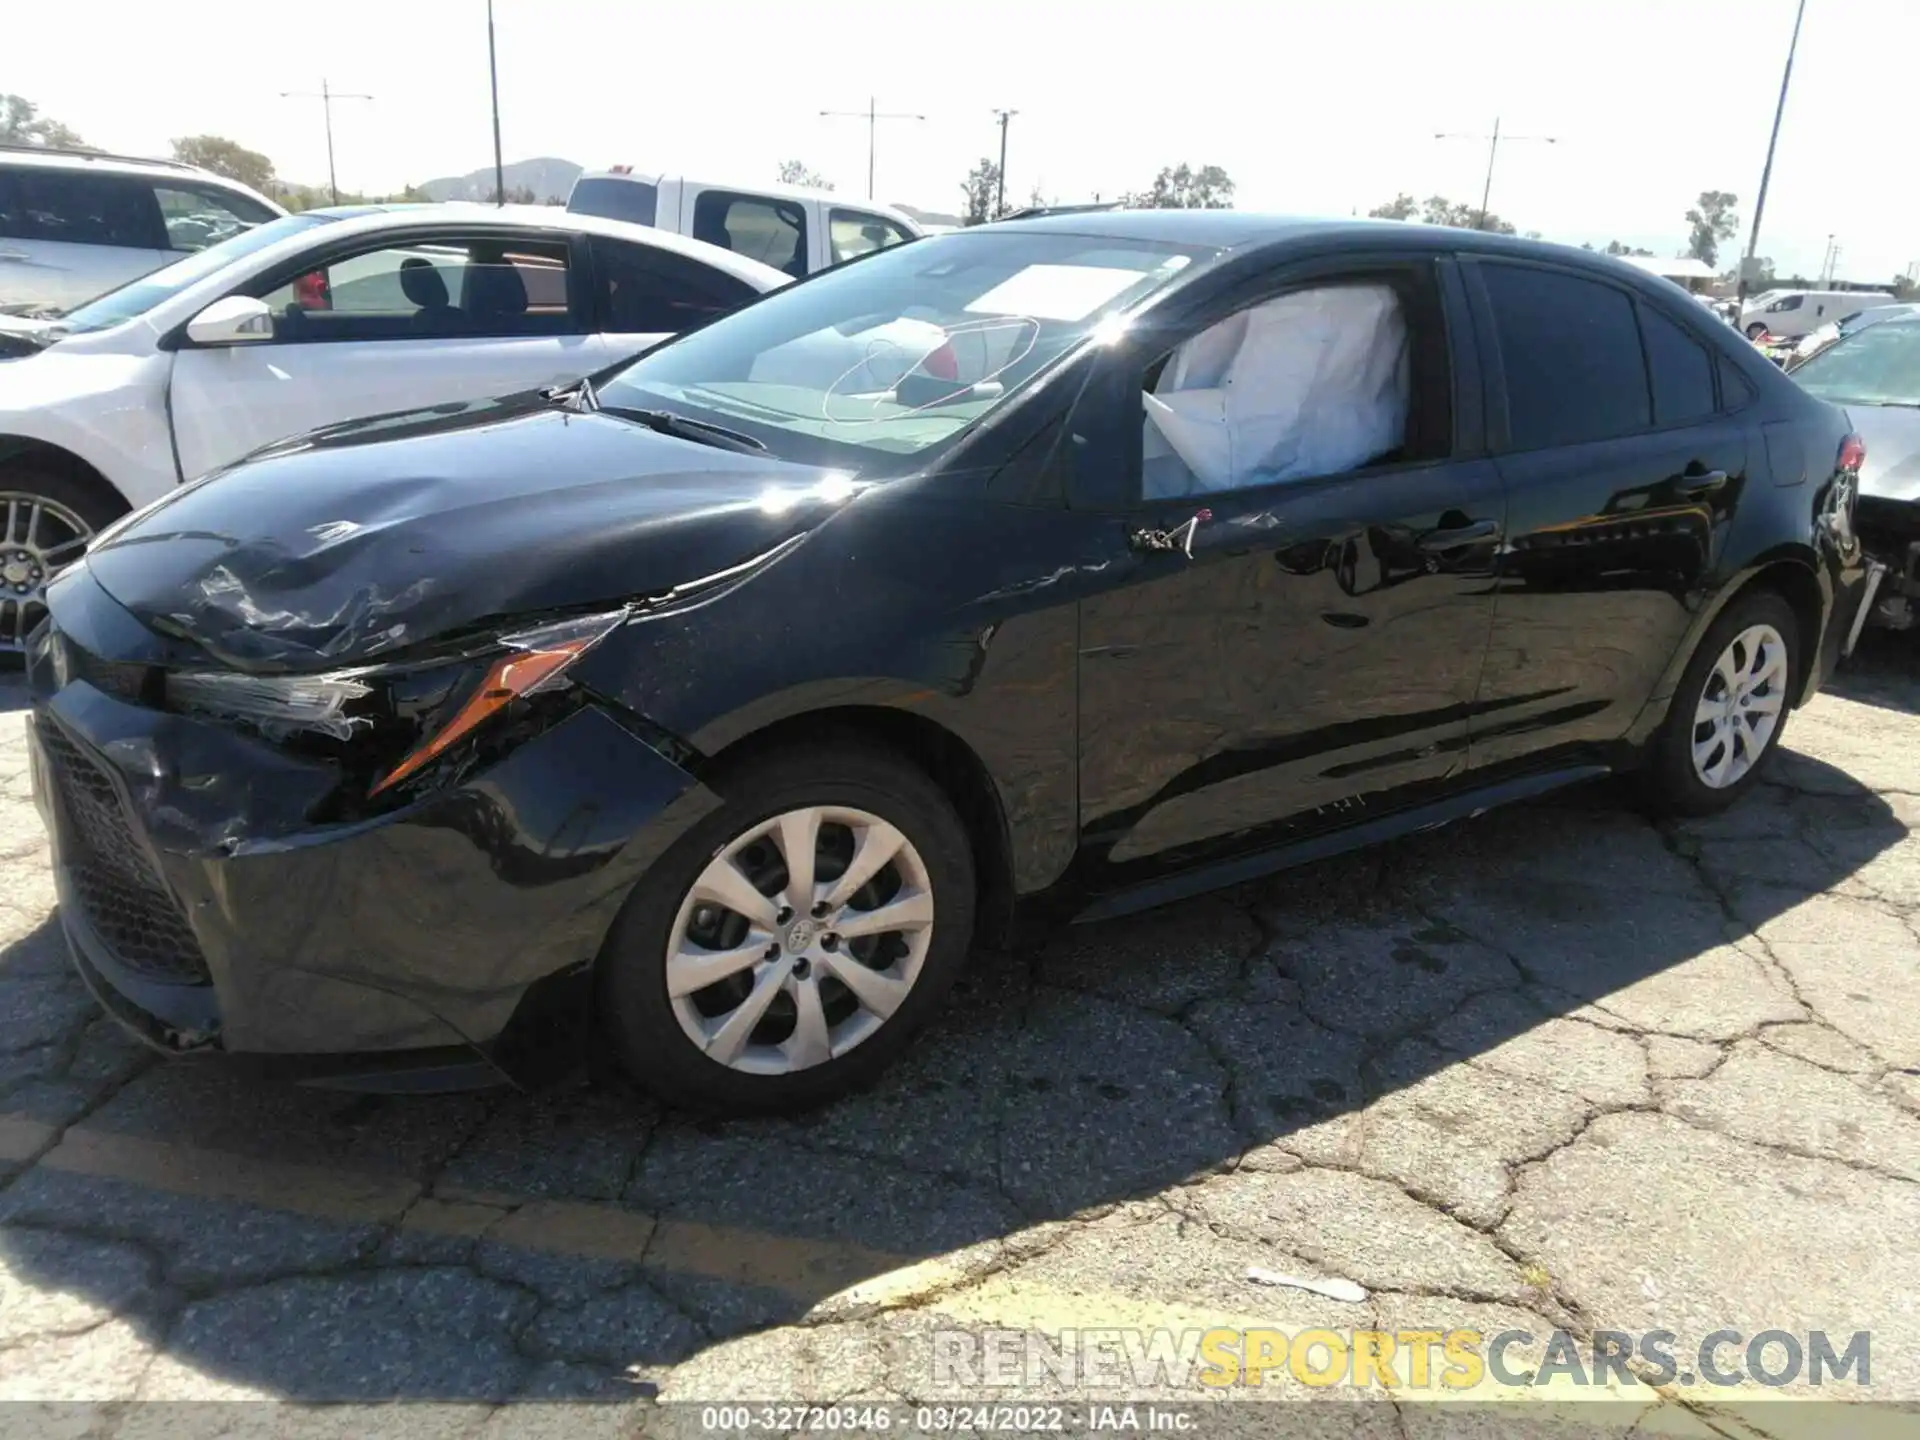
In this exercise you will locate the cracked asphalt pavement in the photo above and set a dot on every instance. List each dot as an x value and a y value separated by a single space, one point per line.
1554 1067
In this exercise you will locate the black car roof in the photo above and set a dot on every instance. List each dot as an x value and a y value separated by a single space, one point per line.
1242 230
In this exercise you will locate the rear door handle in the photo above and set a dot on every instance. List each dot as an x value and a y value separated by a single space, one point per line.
1460 537
1702 484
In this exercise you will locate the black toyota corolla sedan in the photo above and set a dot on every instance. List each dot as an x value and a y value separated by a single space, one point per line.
709 711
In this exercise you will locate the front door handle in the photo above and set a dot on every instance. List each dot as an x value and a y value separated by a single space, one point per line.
1704 483
1459 537
14 255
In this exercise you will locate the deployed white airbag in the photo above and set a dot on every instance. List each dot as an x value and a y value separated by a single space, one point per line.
1312 383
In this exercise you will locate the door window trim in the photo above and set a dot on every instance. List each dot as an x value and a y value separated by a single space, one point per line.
579 294
1128 374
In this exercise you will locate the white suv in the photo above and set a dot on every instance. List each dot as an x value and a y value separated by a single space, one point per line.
76 224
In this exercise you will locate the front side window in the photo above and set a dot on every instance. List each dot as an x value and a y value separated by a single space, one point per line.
196 216
853 233
428 289
1571 353
1314 382
774 232
1791 302
77 208
1879 365
1682 370
871 366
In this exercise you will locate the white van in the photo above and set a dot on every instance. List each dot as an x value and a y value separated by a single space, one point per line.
1789 314
790 228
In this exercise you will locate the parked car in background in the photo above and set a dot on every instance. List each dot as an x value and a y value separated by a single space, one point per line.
790 228
1058 568
311 319
1789 314
1814 341
1875 373
75 224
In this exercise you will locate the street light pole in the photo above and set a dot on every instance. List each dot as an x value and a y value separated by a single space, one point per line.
1766 171
326 95
873 117
1493 153
1000 202
493 76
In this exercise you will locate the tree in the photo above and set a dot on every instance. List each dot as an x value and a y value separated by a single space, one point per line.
1905 287
1457 215
795 172
1402 207
225 157
1181 187
1712 220
982 189
521 195
1614 247
21 123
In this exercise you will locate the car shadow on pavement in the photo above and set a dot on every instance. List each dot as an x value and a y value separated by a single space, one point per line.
1285 1074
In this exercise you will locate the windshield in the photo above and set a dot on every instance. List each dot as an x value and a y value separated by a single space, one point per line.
1879 365
139 296
868 366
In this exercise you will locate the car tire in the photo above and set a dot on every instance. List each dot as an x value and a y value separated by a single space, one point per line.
1714 744
1756 330
675 909
67 507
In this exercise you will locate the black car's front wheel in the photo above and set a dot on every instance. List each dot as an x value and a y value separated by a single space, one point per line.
1730 709
787 949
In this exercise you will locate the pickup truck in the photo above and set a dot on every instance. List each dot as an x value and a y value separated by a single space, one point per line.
794 230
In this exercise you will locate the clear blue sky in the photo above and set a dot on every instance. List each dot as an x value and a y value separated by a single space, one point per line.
1321 107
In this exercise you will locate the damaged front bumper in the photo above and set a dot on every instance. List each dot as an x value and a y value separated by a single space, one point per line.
446 944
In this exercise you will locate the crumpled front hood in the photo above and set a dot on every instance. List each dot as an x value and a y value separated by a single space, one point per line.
371 537
1892 436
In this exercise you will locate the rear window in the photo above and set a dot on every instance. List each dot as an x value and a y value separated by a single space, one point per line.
616 198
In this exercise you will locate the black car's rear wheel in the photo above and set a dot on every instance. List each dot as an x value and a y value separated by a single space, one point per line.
786 949
1730 709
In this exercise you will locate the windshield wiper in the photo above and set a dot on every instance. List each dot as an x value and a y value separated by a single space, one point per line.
700 431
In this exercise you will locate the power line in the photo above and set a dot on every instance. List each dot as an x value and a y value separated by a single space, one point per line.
1493 154
873 118
326 96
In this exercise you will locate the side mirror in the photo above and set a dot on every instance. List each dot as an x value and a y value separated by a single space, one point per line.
234 320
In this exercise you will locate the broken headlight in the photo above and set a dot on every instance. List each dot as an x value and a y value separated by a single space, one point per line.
390 723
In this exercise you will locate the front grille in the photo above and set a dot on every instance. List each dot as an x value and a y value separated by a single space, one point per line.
1881 522
125 902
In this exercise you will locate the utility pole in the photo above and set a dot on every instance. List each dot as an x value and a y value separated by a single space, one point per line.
873 117
1000 201
1766 171
326 96
493 75
1494 142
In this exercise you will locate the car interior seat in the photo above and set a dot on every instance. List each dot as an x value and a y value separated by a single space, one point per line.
423 284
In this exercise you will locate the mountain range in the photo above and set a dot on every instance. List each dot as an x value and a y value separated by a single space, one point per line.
548 178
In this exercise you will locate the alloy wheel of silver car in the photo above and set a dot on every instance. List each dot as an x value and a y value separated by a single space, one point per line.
800 938
41 537
1740 706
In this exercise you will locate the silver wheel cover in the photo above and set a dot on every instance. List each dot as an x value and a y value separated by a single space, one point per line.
799 940
38 539
1739 708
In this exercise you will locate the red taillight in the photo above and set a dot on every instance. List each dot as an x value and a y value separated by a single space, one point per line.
1853 453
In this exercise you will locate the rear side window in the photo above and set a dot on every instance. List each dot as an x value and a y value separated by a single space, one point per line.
1735 389
634 201
1571 353
853 233
77 208
641 290
197 216
774 232
1682 370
